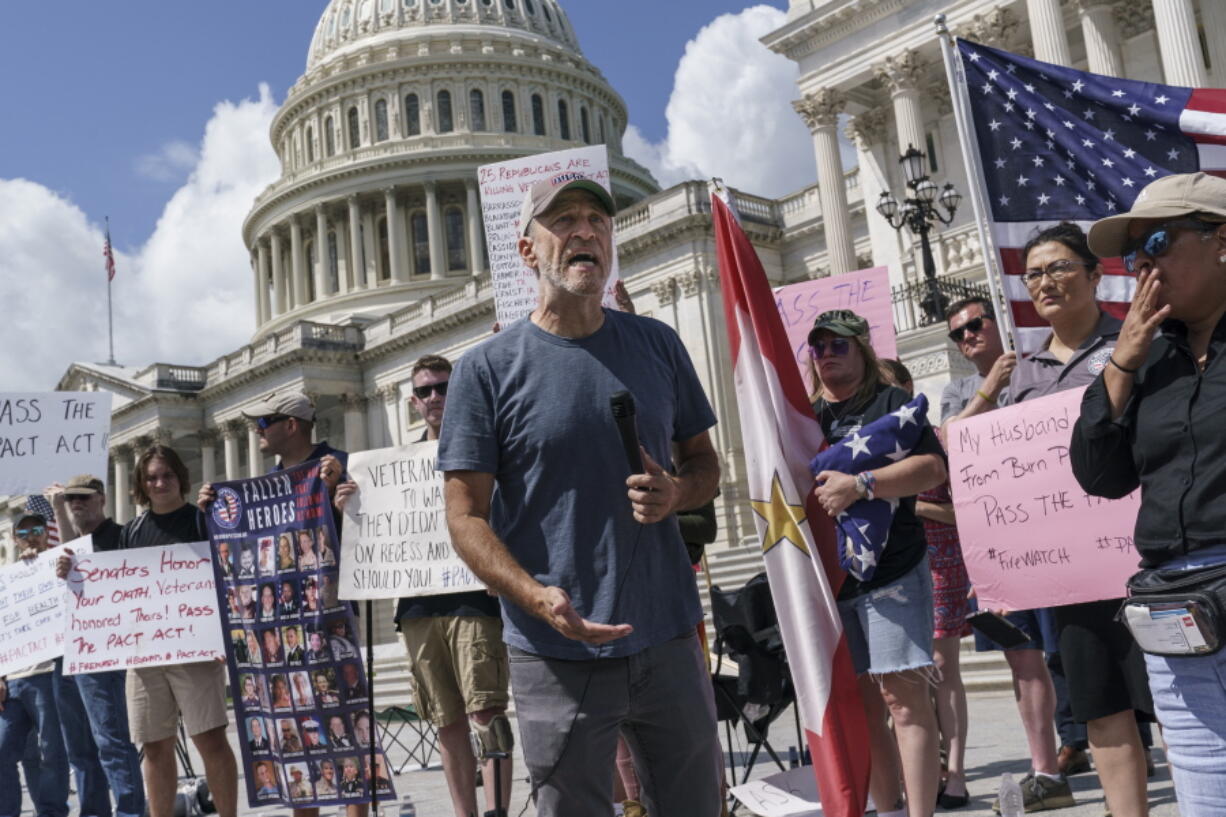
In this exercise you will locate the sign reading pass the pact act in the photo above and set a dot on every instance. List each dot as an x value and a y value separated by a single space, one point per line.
1031 537
49 436
503 186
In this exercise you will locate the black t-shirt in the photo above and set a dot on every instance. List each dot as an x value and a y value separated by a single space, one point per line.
106 536
906 546
152 529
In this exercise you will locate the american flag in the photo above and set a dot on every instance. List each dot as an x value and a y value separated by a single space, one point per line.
109 256
37 503
864 528
1057 144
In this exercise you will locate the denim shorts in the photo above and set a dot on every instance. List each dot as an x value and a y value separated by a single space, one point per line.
889 629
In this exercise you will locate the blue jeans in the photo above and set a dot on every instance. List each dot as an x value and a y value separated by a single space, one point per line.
93 711
30 707
1190 702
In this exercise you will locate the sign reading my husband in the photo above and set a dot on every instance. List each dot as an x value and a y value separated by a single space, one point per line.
1031 537
302 693
395 539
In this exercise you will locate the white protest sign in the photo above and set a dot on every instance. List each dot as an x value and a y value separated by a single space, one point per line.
32 609
787 794
503 186
142 608
50 436
394 539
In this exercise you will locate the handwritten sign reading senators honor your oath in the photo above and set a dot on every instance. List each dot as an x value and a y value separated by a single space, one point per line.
1031 537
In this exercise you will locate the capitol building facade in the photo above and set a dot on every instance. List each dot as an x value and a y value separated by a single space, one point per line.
368 251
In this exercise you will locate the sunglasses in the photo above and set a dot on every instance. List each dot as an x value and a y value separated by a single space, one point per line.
973 325
265 423
1157 241
26 533
423 392
837 347
1056 270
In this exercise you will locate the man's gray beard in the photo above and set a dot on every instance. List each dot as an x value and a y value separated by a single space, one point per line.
550 273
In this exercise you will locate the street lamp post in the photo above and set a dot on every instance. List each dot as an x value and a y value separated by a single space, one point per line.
918 212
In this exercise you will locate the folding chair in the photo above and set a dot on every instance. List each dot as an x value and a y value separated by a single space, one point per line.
421 742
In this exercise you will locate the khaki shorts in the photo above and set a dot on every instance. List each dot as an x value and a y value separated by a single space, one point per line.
458 664
157 695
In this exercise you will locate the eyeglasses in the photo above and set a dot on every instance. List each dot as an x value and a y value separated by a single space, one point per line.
265 423
1157 241
26 533
973 325
1057 271
837 347
423 392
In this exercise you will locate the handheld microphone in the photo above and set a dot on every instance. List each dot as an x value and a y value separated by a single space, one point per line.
622 405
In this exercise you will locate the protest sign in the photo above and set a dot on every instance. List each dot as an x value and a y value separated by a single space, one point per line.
1031 537
142 608
302 702
395 540
503 186
786 794
32 608
50 436
866 292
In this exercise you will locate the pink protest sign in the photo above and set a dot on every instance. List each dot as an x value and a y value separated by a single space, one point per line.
1031 537
865 292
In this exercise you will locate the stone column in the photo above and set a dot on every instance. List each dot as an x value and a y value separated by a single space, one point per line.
1102 37
395 236
323 281
255 460
868 132
1047 32
120 488
261 286
355 244
434 228
229 439
1213 18
279 284
297 262
476 228
902 75
820 111
1179 43
355 422
208 454
370 242
391 399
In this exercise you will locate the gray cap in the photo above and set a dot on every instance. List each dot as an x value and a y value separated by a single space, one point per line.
290 404
1180 194
541 195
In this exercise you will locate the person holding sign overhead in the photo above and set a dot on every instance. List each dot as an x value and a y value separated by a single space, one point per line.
1153 419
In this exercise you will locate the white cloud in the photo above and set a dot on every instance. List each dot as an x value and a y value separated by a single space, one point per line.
170 163
730 113
184 297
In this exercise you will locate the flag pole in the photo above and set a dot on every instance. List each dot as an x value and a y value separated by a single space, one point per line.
975 183
110 317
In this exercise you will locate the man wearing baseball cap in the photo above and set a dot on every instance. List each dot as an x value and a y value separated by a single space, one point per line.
598 599
93 707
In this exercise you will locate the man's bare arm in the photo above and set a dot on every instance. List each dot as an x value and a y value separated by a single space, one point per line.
468 494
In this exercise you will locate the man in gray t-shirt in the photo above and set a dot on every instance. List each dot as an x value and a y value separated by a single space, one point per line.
598 598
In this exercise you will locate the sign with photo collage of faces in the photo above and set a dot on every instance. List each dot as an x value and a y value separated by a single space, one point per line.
301 696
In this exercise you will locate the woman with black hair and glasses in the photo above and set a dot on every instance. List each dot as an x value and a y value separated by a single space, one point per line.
1156 419
1104 670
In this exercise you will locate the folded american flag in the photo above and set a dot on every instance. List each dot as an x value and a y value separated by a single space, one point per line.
865 527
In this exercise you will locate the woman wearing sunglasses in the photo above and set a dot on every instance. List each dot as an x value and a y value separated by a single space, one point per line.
1155 420
1104 670
888 618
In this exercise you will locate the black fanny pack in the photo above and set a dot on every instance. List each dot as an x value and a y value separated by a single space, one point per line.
1177 612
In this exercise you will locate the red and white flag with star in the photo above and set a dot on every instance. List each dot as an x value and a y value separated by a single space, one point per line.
781 434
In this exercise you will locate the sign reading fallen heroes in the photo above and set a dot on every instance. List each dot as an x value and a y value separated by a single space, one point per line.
142 608
301 699
44 436
1031 537
503 186
395 541
32 608
865 292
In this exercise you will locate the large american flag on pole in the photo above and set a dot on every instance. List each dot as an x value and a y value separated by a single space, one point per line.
1057 144
780 433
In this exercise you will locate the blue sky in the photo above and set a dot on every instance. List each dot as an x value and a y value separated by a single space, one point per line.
93 89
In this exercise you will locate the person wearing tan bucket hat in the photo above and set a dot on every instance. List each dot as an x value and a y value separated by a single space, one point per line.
1156 419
